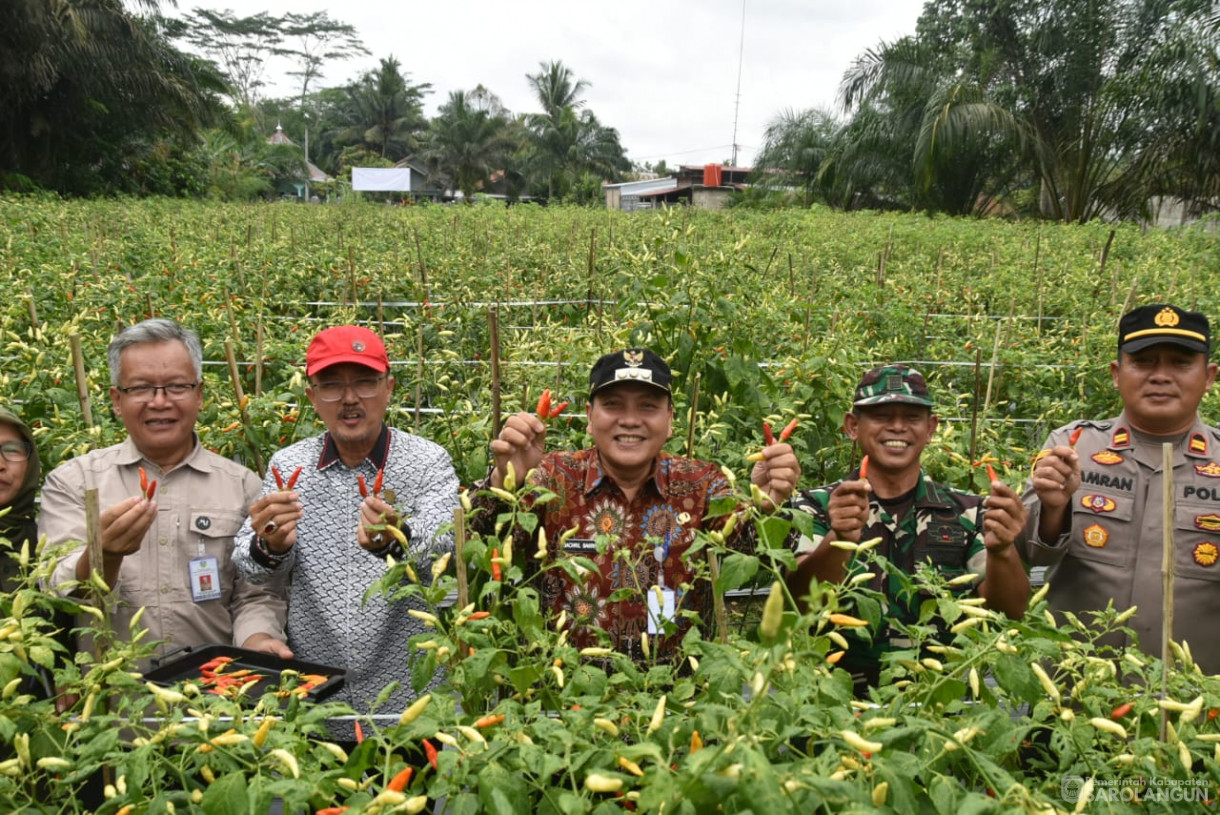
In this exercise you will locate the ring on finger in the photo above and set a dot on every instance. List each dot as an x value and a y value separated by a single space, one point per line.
270 527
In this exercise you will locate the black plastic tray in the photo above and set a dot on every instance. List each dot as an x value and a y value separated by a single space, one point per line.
185 668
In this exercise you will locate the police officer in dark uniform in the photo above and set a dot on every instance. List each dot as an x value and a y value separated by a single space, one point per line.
919 520
1096 513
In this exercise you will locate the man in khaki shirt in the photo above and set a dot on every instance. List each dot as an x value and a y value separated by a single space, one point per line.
170 551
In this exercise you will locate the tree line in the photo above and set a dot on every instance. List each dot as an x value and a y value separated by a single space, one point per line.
101 99
1062 109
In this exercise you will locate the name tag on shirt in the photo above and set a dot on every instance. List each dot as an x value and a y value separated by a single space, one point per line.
660 609
205 578
580 546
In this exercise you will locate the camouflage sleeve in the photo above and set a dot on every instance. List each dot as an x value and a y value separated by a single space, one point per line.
815 503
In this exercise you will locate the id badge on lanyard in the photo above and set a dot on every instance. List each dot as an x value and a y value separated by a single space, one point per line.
205 575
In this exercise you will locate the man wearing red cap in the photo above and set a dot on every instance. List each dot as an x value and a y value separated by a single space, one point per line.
316 532
636 509
1096 509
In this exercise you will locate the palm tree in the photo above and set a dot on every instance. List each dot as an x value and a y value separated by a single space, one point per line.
795 145
466 143
384 112
557 89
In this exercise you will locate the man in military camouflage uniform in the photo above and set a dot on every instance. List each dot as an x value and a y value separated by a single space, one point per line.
1096 512
918 519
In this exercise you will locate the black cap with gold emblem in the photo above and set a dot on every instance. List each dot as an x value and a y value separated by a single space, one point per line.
1162 323
630 365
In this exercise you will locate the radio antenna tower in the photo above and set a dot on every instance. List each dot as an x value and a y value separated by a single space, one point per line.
741 50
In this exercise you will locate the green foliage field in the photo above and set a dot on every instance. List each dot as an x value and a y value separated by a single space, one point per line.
761 315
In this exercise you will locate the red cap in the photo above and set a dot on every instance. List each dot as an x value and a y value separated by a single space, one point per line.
346 343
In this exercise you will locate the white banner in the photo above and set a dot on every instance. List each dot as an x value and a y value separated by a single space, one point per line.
381 179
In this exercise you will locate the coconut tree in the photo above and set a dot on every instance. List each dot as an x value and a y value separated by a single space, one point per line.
466 143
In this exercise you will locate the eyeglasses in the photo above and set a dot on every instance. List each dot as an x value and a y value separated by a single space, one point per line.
16 450
333 390
175 391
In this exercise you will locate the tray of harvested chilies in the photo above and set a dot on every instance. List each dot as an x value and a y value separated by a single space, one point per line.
231 672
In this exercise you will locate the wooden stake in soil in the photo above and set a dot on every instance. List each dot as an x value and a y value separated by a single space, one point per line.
459 554
718 610
1168 570
82 383
974 411
592 269
93 543
258 357
419 372
33 308
493 333
694 411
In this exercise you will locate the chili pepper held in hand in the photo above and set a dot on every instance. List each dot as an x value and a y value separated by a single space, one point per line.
768 436
864 467
555 411
1075 437
379 481
152 489
143 481
788 428
543 411
364 488
292 479
279 479
991 476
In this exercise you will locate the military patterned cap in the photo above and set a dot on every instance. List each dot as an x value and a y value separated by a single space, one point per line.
893 383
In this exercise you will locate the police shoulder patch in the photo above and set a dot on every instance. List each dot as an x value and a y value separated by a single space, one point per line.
1209 470
1108 457
1198 444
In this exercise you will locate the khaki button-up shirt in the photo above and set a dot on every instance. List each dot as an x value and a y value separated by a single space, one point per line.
201 503
1113 550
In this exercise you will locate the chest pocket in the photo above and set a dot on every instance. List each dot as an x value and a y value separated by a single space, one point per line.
1197 540
1101 522
215 529
944 543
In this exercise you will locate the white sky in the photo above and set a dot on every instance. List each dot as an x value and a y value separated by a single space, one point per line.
663 72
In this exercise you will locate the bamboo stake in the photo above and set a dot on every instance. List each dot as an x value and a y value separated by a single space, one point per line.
93 543
493 332
1168 569
258 357
459 554
690 429
419 372
722 616
974 410
592 267
33 308
380 314
1038 279
351 272
82 383
239 394
995 355
423 269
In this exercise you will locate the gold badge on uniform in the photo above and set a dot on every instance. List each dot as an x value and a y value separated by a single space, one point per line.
1208 523
1121 438
1096 536
1107 457
1211 469
1098 503
1198 444
1206 554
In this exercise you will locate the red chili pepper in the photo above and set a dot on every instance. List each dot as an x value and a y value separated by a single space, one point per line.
479 615
490 721
378 481
1121 711
495 567
292 479
788 428
279 479
359 733
143 481
152 490
399 782
768 436
543 411
337 810
864 468
364 488
1075 437
430 751
555 411
991 476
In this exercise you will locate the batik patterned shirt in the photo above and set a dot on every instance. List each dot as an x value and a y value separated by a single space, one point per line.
636 545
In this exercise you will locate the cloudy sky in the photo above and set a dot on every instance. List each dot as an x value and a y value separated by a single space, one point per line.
664 72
